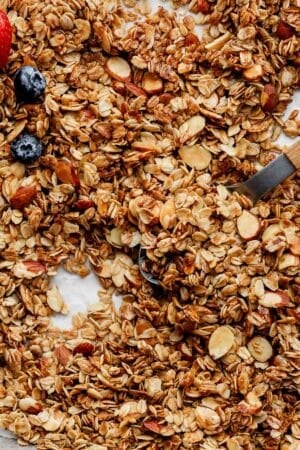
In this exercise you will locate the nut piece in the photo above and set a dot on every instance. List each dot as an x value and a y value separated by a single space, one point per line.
118 68
29 269
191 39
248 225
269 98
55 301
23 197
66 173
85 348
220 342
277 299
191 128
135 90
62 354
260 349
207 418
295 246
271 232
152 83
254 72
288 260
195 156
203 6
30 405
284 30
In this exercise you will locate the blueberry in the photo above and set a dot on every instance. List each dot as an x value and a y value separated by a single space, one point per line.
26 148
29 84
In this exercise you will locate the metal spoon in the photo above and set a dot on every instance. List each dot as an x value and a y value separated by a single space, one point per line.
270 176
256 187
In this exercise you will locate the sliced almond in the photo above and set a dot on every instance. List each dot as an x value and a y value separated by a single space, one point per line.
254 72
191 128
195 156
277 299
220 342
30 405
288 260
144 146
260 349
207 418
118 68
270 232
167 216
152 83
135 90
248 225
295 246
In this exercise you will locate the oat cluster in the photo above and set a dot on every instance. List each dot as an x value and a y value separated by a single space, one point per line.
142 125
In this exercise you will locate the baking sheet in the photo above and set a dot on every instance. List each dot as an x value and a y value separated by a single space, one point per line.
80 293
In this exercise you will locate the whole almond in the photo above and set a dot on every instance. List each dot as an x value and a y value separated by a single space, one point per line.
203 6
85 348
23 197
284 30
62 354
269 98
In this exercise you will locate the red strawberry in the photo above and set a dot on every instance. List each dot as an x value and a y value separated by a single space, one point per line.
5 38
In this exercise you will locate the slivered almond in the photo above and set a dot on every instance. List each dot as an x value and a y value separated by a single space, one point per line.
191 128
118 68
288 260
23 197
276 299
152 83
260 349
248 225
254 72
220 342
195 156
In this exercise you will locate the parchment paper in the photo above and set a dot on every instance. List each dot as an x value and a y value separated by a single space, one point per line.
79 293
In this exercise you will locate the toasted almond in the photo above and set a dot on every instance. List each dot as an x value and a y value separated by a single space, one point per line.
288 260
85 348
260 349
167 216
204 6
29 269
195 156
270 232
152 83
62 354
30 405
191 128
248 225
295 246
23 197
191 39
66 172
144 146
118 68
135 90
220 342
83 204
55 300
284 30
269 98
254 72
153 425
276 299
207 418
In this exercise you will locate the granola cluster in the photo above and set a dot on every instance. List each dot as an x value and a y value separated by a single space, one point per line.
143 124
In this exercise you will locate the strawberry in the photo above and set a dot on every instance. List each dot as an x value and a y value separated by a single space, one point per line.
5 38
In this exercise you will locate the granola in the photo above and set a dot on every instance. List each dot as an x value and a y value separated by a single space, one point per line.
143 124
